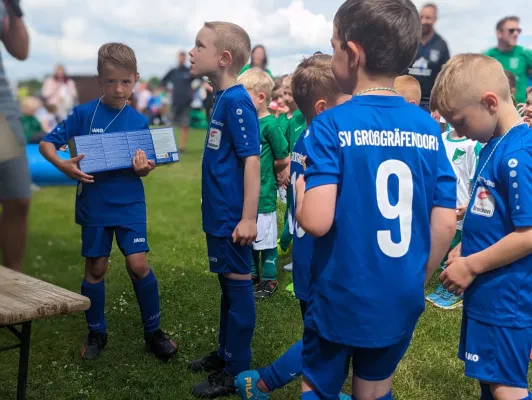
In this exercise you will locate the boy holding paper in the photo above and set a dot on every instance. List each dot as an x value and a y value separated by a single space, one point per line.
112 202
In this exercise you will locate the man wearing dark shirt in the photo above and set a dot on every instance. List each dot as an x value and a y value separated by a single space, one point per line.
431 54
180 79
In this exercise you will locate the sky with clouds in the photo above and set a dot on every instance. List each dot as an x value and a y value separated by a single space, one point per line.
71 31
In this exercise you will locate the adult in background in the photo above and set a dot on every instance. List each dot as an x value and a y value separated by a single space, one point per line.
259 59
431 54
180 79
60 91
15 182
512 57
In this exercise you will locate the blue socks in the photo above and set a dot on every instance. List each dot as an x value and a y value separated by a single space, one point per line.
95 315
240 324
387 396
309 396
147 291
224 315
285 369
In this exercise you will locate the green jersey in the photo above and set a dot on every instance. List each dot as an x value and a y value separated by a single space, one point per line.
519 62
294 128
273 146
31 126
248 66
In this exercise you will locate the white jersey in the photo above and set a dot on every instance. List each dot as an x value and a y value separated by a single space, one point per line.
463 155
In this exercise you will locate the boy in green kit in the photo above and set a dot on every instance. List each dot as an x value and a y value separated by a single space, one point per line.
273 159
293 124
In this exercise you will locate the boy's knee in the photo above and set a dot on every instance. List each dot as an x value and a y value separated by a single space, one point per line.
137 265
18 208
95 269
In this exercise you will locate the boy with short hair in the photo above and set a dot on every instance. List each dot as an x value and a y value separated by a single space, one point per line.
315 90
408 87
273 160
112 203
380 199
230 195
493 270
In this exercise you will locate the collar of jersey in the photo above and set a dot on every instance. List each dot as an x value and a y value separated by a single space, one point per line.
450 139
230 89
377 100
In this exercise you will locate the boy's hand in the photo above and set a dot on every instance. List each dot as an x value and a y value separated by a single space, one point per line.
70 169
141 164
283 178
454 253
460 212
245 232
458 275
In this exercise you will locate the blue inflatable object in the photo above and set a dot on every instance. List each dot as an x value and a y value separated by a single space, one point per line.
42 172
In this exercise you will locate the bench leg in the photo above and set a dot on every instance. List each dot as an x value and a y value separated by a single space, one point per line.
23 360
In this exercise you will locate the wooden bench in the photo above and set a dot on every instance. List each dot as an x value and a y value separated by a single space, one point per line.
24 299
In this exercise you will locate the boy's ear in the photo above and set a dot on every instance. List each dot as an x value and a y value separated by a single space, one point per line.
413 102
262 97
356 54
320 106
490 101
226 59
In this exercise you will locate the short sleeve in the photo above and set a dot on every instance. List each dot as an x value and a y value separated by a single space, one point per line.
528 58
323 158
278 143
446 54
243 126
62 133
445 193
516 174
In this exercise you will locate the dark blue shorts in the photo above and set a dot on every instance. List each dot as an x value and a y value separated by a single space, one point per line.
228 257
495 354
98 241
326 364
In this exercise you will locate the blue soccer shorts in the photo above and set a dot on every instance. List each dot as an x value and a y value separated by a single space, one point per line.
326 364
495 354
98 241
228 257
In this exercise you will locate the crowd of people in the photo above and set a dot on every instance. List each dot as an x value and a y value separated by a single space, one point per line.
389 177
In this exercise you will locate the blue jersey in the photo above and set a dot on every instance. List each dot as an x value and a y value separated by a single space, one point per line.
500 204
303 244
233 135
115 198
388 161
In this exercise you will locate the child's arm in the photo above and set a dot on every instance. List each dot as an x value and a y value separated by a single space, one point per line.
443 213
516 178
442 231
242 117
279 147
59 137
246 230
316 191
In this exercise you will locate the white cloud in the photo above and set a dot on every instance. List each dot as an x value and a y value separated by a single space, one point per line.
70 31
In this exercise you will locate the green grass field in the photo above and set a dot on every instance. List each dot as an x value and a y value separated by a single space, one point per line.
189 305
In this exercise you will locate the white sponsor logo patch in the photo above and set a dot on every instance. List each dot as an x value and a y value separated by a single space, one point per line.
215 137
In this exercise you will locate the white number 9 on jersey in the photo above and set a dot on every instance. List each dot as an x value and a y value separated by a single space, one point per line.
401 210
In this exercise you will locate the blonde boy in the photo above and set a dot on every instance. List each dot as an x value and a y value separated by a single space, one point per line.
493 269
409 88
273 160
230 194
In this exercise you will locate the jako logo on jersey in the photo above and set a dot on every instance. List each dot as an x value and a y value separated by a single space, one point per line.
471 357
139 240
97 130
213 259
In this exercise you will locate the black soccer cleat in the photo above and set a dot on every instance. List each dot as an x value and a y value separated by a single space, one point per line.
161 345
218 384
265 289
210 363
94 344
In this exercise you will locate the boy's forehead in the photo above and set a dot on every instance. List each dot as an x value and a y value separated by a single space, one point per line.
114 71
206 35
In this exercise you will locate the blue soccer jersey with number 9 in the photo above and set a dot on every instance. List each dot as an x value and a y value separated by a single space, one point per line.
368 271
